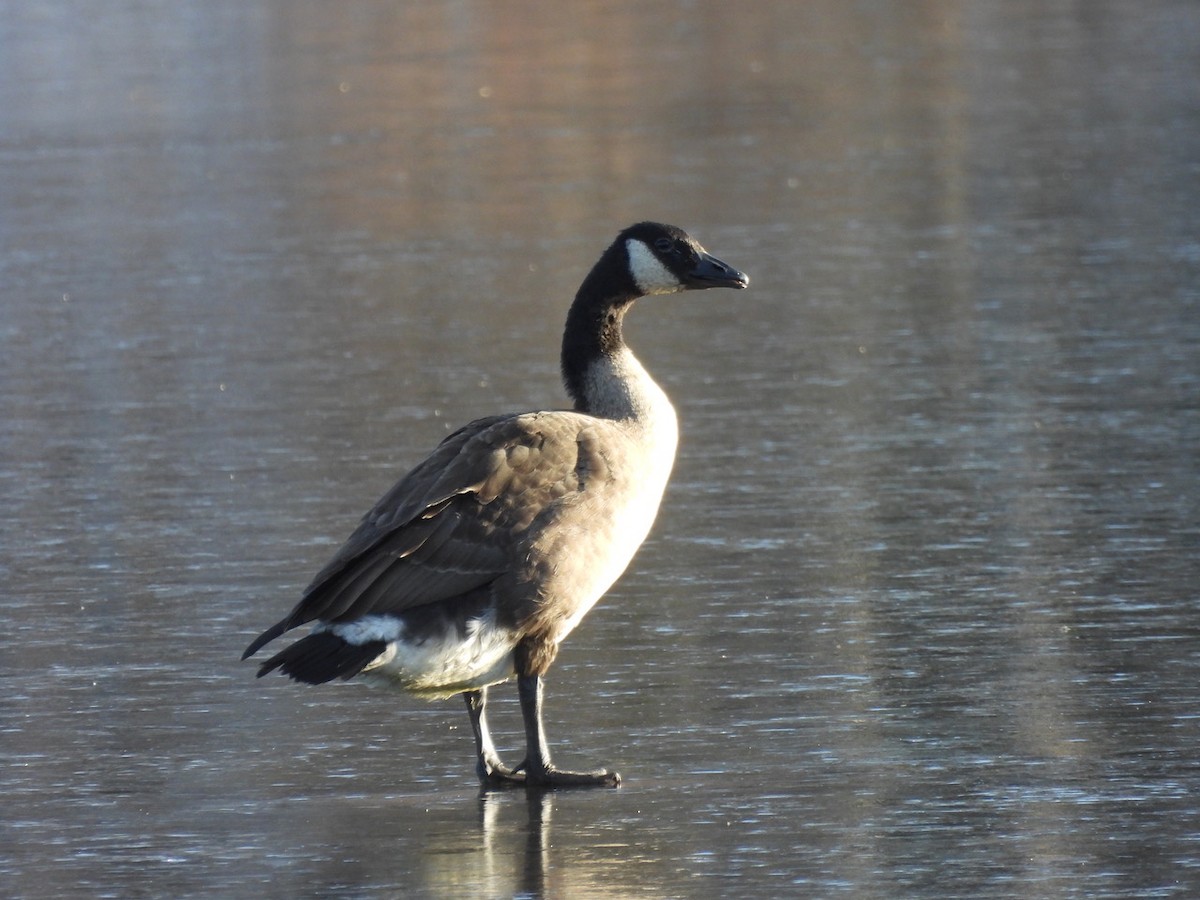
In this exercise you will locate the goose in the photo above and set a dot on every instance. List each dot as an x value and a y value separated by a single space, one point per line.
477 564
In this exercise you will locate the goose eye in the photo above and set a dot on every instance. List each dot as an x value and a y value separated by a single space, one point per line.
664 245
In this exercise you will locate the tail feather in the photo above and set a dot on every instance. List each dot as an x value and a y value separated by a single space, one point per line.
322 657
266 637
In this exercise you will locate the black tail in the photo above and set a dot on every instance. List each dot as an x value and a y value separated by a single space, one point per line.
322 657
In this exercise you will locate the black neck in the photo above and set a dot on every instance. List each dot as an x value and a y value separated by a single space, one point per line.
593 326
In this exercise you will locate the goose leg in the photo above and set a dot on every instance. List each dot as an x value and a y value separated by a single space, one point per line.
537 768
488 765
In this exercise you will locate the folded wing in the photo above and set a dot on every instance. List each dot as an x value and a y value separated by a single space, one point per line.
455 523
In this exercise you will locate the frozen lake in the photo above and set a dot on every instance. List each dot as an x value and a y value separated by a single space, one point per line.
919 617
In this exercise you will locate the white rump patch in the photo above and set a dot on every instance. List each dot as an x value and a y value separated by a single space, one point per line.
651 275
441 665
367 629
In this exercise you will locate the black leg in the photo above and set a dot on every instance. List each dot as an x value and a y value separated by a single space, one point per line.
537 766
487 765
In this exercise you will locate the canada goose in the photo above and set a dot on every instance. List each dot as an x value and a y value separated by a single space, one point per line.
479 562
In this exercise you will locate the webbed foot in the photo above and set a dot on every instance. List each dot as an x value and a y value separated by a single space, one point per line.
493 773
550 777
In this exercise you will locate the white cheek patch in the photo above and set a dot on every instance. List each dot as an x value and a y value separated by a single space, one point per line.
651 276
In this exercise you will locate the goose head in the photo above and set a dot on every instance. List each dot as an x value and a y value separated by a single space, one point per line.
646 258
664 259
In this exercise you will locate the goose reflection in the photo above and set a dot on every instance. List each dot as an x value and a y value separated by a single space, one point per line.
530 874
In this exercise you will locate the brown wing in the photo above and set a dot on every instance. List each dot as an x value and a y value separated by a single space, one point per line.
454 523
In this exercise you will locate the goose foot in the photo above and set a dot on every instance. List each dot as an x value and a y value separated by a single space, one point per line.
548 776
493 773
538 770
